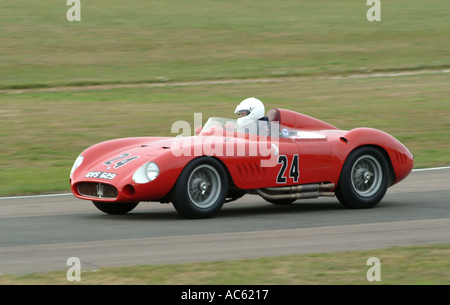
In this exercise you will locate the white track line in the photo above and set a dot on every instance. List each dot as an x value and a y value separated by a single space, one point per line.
392 74
36 196
430 169
67 194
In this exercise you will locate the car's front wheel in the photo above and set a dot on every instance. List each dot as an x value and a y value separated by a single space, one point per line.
364 178
201 188
115 208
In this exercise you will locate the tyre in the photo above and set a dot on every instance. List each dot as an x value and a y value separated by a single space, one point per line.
201 188
281 201
115 208
364 178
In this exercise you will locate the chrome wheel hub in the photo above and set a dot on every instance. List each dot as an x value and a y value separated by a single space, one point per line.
366 176
204 186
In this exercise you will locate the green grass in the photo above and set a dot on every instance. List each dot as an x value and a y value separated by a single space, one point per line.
417 265
43 133
141 41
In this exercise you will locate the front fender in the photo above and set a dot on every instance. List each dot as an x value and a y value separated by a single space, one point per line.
400 157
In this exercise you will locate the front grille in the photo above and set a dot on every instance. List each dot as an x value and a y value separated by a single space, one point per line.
98 190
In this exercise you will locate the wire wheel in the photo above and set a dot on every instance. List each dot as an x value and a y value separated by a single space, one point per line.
203 185
201 188
366 176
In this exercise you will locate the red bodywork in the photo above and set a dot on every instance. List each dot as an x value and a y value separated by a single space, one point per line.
321 157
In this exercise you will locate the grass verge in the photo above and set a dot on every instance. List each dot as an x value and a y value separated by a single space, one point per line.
136 41
416 265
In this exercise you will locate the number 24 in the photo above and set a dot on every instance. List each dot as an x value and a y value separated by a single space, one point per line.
293 172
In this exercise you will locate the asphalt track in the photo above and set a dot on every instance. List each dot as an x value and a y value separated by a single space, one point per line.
39 234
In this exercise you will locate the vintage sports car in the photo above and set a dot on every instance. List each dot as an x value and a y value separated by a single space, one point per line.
295 157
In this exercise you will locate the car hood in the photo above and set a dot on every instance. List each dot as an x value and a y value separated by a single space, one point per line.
122 155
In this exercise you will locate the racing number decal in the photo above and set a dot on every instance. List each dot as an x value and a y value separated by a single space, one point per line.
293 172
108 163
282 160
121 162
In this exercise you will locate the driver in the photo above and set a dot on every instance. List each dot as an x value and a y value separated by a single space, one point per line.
251 111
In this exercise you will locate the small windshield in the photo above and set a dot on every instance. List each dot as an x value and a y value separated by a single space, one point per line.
261 128
221 124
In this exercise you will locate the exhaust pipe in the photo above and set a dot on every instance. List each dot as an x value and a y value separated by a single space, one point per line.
305 191
300 188
304 195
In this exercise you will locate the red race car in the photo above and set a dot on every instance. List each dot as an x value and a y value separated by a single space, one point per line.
287 156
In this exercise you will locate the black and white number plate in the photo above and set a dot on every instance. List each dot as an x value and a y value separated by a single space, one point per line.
101 175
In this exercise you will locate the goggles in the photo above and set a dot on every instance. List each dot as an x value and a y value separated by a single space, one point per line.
242 113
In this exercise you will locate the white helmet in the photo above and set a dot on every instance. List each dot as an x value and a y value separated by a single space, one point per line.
250 109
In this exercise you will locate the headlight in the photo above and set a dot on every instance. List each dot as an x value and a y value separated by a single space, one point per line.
77 163
152 171
146 173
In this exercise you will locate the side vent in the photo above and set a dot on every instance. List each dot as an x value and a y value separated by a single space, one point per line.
251 172
344 140
401 158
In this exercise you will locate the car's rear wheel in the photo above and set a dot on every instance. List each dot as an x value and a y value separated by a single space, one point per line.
364 178
115 208
201 188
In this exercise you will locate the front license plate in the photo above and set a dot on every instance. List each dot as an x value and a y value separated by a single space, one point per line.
101 175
